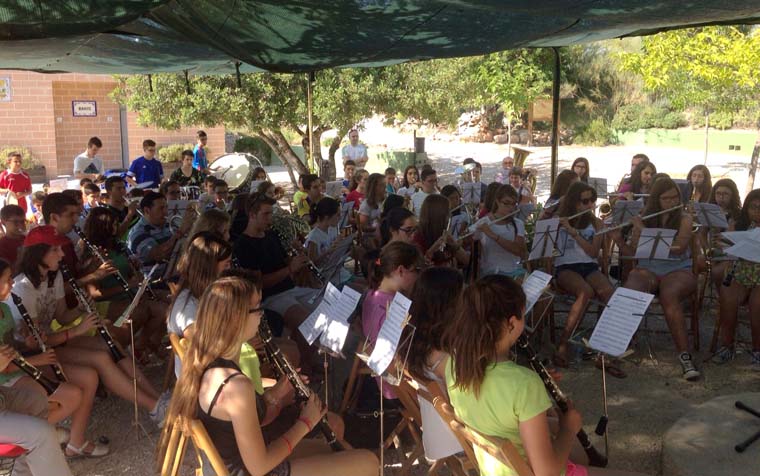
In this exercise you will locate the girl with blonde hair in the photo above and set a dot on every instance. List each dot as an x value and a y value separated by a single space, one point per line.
212 388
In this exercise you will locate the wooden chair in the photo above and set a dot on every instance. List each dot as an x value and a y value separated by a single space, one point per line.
502 450
355 381
458 466
411 420
175 451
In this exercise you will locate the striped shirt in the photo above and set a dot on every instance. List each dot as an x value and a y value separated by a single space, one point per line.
143 237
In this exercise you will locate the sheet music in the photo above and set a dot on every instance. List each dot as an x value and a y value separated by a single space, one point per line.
599 184
177 207
334 336
332 189
140 291
655 243
534 286
471 193
746 244
624 210
710 214
619 321
458 224
314 325
58 185
390 334
345 212
545 238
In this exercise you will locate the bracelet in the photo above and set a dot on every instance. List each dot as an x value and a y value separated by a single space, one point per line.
306 422
287 442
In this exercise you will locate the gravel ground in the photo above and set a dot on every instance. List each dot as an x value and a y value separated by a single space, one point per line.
641 407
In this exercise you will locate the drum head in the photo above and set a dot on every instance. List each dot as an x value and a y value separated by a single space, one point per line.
234 169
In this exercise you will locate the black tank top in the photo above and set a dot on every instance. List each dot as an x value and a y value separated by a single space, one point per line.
221 432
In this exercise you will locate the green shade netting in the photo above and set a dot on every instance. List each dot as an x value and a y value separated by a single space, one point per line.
207 37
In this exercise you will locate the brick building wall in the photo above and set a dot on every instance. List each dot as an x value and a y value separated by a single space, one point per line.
39 117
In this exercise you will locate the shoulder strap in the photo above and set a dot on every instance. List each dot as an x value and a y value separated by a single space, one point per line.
219 391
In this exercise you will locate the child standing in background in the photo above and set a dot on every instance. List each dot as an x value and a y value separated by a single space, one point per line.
15 183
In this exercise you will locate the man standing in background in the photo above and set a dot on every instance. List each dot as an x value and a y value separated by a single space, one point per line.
88 164
355 151
200 161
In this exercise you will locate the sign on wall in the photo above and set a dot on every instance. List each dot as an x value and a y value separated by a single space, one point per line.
5 89
84 108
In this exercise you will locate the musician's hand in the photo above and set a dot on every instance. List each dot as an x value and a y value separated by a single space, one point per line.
89 321
105 269
297 263
555 374
313 410
132 208
571 420
564 223
283 392
7 353
45 358
628 196
30 342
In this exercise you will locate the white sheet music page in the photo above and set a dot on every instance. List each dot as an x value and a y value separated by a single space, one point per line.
619 321
533 286
138 295
334 336
390 334
316 323
661 238
710 214
546 232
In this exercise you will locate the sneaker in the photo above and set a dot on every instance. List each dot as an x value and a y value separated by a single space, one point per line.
755 359
723 355
690 372
159 412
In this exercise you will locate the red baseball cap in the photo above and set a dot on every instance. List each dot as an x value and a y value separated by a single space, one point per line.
45 234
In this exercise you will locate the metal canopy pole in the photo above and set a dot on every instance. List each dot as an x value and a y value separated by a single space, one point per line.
555 115
310 111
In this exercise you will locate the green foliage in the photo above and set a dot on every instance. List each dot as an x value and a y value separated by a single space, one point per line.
722 120
711 68
255 146
597 133
512 79
172 152
28 160
633 117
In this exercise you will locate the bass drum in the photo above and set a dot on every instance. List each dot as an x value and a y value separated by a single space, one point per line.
235 169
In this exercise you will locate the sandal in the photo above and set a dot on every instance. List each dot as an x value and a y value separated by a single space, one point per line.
611 367
96 450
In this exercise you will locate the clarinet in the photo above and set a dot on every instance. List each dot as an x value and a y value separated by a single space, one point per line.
36 334
89 307
97 254
283 367
293 251
32 371
730 275
130 256
594 457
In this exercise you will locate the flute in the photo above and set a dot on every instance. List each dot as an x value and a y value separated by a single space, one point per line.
645 217
282 366
467 235
89 307
594 457
36 334
97 254
32 371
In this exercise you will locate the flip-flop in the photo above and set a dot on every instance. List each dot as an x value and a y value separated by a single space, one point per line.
611 367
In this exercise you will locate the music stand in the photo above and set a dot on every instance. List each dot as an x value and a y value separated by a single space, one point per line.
546 232
746 443
599 184
624 210
655 243
710 215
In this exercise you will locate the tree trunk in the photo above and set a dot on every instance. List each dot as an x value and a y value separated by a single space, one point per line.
279 145
322 167
753 165
707 134
509 133
334 146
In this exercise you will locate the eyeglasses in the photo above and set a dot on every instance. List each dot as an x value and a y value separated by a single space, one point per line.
670 198
507 203
586 201
408 229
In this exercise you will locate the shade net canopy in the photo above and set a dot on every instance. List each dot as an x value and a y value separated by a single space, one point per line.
213 36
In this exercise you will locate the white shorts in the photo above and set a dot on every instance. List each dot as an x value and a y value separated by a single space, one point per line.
280 303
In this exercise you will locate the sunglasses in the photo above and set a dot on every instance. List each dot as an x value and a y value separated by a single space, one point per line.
586 201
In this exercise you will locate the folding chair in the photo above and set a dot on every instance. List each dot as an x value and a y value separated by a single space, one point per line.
175 451
355 381
411 420
502 450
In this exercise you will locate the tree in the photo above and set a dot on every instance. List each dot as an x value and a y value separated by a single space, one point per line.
267 104
512 79
710 69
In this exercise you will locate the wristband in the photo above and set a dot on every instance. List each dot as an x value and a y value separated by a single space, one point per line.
287 442
306 422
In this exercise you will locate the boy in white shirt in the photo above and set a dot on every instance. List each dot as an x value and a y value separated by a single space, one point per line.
428 179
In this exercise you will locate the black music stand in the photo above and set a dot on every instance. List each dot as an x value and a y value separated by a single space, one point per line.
746 443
